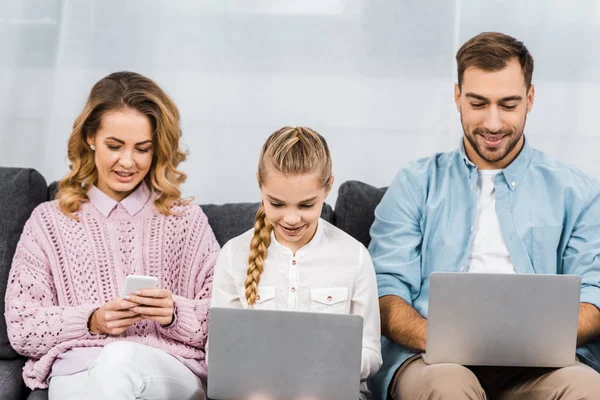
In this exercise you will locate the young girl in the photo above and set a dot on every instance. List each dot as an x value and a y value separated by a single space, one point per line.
118 212
292 259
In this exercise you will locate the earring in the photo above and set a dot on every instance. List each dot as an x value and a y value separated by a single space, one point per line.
92 147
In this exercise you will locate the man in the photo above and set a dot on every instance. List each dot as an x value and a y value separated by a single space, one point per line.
493 205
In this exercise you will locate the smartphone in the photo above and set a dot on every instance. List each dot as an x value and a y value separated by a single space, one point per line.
137 282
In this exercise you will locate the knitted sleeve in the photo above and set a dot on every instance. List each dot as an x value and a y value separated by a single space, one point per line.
190 324
35 323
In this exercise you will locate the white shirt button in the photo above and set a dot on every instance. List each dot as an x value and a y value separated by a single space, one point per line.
513 184
293 290
293 262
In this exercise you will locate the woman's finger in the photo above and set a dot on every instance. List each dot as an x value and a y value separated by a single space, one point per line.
156 293
153 311
120 323
115 315
150 301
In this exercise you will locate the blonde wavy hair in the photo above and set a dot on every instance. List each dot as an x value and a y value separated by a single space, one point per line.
120 91
290 151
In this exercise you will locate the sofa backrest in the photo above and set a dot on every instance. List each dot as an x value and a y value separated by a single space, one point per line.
355 209
21 190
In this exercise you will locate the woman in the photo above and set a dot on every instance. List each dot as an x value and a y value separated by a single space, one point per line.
118 212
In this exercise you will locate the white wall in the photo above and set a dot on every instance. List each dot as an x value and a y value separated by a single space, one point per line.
373 76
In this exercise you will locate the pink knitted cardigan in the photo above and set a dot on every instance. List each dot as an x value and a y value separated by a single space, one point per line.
63 270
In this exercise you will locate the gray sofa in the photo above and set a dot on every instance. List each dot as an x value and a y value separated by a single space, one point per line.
21 190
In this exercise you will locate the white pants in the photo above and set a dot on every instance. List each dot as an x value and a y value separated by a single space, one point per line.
127 370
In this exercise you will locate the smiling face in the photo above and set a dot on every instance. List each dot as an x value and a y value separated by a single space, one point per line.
124 151
293 206
493 107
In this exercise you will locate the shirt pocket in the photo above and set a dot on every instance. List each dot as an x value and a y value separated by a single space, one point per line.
265 299
544 248
332 300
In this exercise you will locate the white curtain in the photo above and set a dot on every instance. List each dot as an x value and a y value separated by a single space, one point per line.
375 77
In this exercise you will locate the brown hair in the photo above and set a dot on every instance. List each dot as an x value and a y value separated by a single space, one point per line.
289 151
119 91
491 51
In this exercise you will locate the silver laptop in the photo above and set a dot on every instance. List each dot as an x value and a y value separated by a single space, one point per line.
502 319
283 355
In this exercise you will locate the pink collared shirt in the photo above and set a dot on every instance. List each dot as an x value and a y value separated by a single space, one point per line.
132 203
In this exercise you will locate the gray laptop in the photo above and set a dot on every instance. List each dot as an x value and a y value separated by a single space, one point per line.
502 319
283 355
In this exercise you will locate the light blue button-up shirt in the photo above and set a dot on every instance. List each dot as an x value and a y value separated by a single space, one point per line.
549 215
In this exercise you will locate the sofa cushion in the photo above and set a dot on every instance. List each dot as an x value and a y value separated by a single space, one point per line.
38 395
355 209
230 220
21 190
11 381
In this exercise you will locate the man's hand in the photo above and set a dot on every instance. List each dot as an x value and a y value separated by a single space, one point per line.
589 323
401 323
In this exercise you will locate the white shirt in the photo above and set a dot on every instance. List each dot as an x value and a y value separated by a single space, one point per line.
488 250
333 273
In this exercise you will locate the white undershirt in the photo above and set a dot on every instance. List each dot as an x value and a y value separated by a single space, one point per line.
488 250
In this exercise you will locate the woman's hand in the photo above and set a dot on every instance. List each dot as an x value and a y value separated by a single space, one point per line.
154 304
114 317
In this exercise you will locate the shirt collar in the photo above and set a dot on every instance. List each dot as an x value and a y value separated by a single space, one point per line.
514 172
304 249
132 203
